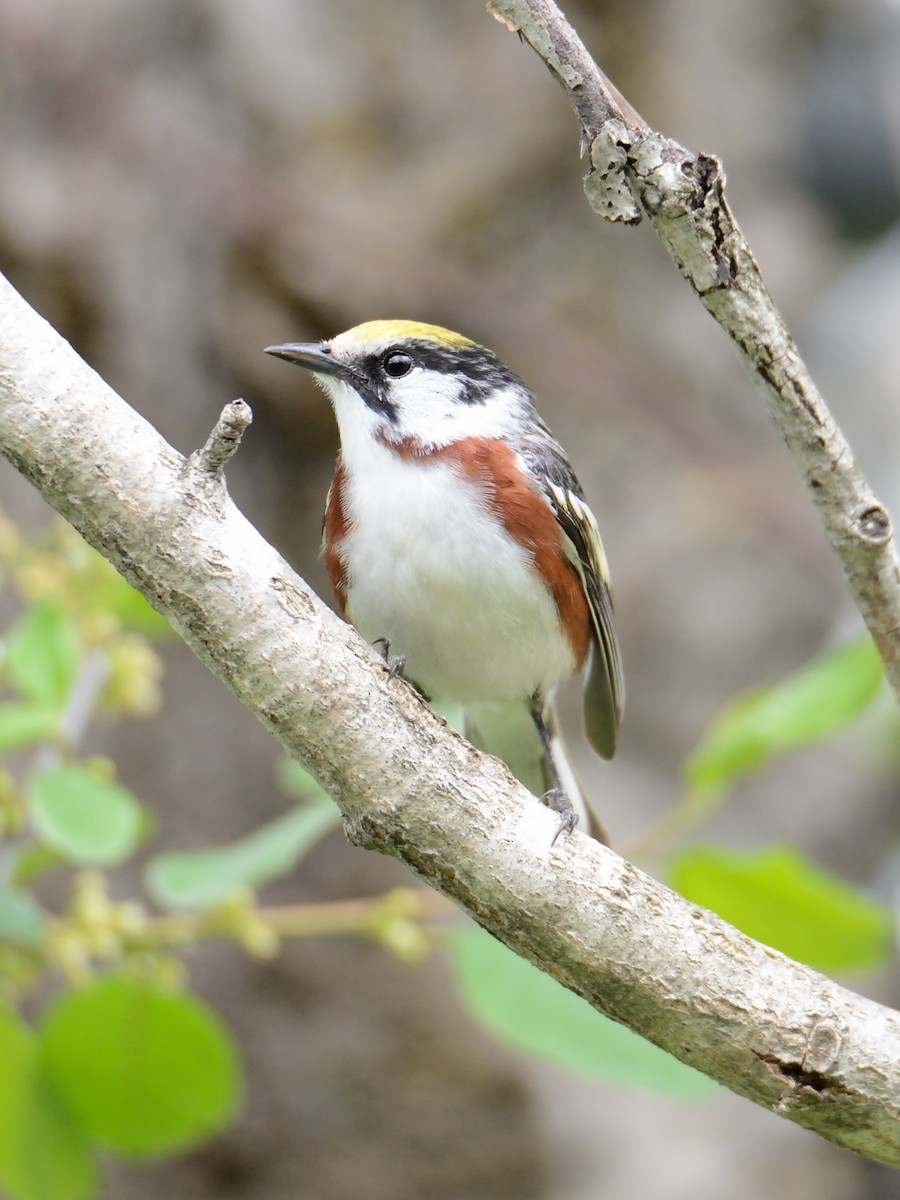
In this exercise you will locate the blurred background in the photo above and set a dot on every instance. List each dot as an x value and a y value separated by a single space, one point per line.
183 182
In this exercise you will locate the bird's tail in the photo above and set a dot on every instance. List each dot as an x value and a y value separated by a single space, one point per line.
508 731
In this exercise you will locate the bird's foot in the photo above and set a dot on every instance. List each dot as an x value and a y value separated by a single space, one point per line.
396 664
557 800
397 667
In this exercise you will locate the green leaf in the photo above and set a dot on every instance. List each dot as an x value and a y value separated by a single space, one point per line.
534 1013
25 723
206 877
809 705
778 897
90 821
43 653
44 1155
32 861
145 1070
21 918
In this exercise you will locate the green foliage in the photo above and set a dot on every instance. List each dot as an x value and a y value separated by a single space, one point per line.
777 896
534 1013
143 1069
42 654
25 724
207 877
44 1153
87 819
21 918
810 705
123 1062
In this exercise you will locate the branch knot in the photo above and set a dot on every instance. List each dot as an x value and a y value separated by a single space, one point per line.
873 525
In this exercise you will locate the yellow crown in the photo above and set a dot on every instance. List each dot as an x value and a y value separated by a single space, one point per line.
388 331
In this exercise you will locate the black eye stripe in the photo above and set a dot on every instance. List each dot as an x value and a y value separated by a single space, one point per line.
479 369
474 362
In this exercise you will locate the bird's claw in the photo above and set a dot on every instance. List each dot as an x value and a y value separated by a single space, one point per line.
557 800
396 667
397 664
385 644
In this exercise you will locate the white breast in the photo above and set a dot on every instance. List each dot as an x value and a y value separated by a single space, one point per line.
431 568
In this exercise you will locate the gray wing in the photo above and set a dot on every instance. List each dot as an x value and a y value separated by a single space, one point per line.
604 692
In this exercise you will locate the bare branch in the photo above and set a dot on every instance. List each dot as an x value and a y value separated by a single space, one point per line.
222 444
683 194
764 1026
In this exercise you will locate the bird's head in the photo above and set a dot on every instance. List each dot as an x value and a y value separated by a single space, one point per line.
404 381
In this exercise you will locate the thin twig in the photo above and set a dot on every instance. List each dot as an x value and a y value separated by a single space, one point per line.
635 169
367 917
224 440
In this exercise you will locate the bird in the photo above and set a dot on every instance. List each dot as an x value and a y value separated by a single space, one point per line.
457 535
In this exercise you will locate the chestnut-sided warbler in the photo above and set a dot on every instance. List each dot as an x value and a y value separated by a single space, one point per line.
456 532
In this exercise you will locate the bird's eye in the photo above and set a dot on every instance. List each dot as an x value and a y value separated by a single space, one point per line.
397 365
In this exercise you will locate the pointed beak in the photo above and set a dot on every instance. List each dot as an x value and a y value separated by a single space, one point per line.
315 356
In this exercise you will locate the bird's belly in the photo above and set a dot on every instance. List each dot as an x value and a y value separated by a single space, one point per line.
431 568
